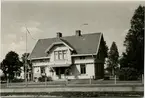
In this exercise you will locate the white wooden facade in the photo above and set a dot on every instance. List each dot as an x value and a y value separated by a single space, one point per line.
73 62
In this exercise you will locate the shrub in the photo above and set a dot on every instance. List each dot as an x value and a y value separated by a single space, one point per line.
42 79
106 75
17 80
128 74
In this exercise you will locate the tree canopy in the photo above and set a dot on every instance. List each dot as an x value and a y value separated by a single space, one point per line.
25 59
11 64
113 56
134 42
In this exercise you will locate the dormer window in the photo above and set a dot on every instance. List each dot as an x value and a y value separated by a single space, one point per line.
60 55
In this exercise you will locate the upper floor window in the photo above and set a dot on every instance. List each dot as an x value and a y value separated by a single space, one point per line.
60 55
56 55
83 68
64 54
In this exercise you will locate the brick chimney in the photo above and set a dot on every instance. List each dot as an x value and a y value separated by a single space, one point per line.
78 32
59 34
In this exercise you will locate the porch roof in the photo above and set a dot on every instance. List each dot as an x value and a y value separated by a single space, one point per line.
60 65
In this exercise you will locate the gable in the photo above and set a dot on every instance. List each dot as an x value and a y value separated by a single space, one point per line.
56 44
85 44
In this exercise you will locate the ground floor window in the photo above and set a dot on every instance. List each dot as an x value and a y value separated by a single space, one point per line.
83 68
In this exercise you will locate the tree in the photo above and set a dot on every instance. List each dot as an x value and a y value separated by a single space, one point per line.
134 42
11 64
112 61
25 59
28 66
105 49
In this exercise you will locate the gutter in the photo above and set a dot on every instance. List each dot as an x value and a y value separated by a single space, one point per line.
83 55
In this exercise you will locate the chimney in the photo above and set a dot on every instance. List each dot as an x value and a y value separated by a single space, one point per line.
59 34
78 32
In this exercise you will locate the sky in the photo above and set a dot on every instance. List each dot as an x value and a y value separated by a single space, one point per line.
45 18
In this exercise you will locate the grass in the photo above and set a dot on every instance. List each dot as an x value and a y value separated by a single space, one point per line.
76 94
82 82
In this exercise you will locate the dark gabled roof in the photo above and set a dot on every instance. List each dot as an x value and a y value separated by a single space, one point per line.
84 44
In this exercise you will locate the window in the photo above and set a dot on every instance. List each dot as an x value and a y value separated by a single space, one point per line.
82 57
42 69
64 54
56 55
60 55
83 68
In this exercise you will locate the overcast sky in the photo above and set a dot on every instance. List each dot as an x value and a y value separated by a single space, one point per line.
44 18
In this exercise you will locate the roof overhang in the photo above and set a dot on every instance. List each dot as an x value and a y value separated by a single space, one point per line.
39 58
74 55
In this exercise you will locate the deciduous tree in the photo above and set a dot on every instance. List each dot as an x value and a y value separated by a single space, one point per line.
11 64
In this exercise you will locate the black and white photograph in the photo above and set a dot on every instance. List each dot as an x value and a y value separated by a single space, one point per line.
72 49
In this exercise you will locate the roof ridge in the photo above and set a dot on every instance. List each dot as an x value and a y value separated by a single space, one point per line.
68 36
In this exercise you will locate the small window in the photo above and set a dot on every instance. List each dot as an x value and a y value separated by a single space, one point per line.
60 55
83 68
82 57
55 55
64 54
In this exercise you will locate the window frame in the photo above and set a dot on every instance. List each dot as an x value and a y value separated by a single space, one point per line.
60 55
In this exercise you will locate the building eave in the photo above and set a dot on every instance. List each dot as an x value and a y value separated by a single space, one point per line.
39 58
83 55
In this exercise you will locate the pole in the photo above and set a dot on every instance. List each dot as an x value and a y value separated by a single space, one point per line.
90 80
142 78
7 80
66 80
26 62
115 79
45 80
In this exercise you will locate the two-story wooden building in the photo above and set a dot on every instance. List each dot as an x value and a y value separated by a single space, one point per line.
75 57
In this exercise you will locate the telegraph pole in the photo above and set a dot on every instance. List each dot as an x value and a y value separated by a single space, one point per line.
26 62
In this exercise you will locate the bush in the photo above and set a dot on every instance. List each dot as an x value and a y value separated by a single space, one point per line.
42 79
106 75
128 74
17 80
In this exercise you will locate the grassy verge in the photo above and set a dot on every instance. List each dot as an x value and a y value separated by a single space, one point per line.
76 94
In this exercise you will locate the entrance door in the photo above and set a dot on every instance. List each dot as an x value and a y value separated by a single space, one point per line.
60 71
